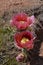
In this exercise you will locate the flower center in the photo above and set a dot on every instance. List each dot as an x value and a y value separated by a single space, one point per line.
24 40
22 22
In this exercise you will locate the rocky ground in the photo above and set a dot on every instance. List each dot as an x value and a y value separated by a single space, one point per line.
8 8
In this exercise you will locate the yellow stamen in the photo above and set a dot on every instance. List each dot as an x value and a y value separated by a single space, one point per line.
22 22
24 40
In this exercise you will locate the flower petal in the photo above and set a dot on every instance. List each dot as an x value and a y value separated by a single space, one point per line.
31 20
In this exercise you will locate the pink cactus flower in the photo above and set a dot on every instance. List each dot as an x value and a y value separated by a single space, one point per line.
24 40
22 21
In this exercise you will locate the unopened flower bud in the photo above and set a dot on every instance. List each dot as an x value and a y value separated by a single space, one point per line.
20 57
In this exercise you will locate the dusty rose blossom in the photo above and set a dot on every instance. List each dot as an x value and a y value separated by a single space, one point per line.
20 57
22 21
24 40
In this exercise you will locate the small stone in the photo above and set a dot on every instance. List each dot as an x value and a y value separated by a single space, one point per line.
41 50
